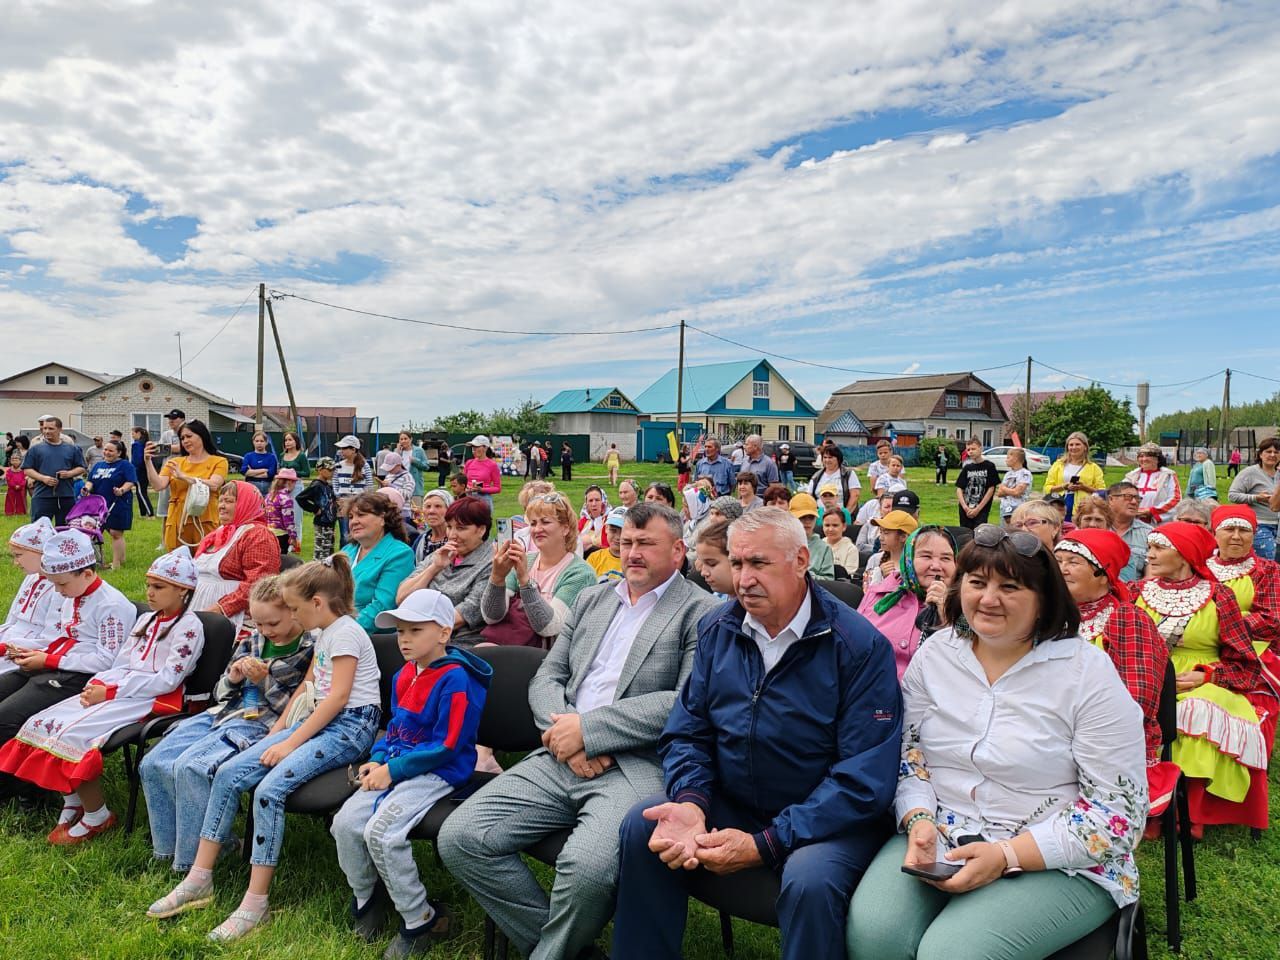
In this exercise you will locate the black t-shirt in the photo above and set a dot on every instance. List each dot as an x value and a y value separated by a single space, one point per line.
976 479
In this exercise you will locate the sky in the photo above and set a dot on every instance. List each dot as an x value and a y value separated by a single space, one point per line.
863 188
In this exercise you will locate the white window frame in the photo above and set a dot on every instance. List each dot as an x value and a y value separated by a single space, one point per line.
759 389
987 437
50 380
973 401
953 401
784 432
146 416
800 433
960 435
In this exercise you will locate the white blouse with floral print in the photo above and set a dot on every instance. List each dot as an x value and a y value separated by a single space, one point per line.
1053 748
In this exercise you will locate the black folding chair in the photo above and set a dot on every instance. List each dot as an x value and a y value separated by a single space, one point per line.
846 591
219 640
1175 820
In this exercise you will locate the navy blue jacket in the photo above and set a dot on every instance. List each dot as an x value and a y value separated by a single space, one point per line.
812 748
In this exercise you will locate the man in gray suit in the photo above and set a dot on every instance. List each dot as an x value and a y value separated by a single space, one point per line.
601 698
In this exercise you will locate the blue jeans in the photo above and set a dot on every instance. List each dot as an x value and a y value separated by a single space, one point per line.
177 776
789 479
1264 542
347 738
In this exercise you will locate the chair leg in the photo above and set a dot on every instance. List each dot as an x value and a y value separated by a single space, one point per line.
1172 896
489 929
131 774
726 933
504 946
1255 834
246 847
1184 835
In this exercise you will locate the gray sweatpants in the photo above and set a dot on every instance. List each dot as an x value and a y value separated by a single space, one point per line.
375 843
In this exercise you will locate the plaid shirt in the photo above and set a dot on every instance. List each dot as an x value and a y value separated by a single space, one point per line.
1263 618
254 555
284 674
1141 656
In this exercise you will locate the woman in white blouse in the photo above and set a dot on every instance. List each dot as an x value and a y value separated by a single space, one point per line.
1022 763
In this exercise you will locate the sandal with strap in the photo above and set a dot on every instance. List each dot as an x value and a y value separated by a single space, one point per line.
185 896
238 924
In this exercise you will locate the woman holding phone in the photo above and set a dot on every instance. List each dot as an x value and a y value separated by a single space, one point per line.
1044 777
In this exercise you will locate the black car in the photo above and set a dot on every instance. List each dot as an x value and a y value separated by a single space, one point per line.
806 455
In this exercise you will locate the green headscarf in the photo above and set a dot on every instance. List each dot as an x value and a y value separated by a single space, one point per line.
907 579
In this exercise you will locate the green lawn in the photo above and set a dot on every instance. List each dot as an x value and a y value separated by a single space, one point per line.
88 902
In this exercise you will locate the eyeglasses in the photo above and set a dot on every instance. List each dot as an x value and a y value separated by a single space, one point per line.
1029 524
1125 496
1024 544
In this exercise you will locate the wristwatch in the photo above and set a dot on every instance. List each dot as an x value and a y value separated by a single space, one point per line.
1011 866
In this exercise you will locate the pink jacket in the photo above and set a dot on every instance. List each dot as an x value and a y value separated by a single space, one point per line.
486 472
898 623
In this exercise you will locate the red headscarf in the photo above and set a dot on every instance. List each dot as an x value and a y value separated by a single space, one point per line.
1235 511
1194 544
1104 549
248 510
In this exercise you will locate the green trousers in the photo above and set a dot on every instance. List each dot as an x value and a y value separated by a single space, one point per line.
895 916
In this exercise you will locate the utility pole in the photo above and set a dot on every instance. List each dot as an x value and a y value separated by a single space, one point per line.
284 369
1222 421
680 391
262 328
1026 410
181 374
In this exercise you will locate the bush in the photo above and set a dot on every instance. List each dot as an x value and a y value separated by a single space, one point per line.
929 451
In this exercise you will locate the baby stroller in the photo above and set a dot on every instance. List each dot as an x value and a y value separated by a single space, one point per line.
89 515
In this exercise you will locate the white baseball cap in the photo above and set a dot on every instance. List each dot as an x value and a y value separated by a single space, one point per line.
421 606
479 440
348 441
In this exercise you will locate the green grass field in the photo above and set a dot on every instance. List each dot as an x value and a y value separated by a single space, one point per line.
88 902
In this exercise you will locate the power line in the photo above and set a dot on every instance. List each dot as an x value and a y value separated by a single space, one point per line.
1130 386
828 366
276 294
1256 376
251 292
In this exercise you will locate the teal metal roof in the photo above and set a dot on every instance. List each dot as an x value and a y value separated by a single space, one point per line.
586 400
704 387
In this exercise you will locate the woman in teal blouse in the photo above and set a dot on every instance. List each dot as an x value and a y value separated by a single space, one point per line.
380 558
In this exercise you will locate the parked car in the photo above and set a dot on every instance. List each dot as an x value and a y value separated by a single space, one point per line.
1036 462
805 454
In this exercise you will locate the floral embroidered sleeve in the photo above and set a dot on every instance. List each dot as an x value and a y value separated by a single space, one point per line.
914 789
1238 667
1098 832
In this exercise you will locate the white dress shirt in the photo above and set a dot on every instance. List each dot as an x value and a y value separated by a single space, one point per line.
600 685
772 648
1053 748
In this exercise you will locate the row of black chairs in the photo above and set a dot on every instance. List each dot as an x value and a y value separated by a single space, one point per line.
507 725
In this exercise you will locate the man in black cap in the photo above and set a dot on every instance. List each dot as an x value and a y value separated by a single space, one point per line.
907 501
170 447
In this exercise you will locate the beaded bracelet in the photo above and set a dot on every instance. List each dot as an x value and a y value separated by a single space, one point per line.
916 817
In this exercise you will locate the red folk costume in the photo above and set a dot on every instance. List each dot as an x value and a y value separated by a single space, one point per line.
1129 637
1222 745
1256 584
60 748
235 556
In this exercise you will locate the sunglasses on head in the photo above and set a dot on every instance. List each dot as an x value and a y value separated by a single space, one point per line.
1024 544
552 498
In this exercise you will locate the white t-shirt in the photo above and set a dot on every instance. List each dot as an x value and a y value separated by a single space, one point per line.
876 470
1012 479
821 480
887 482
346 638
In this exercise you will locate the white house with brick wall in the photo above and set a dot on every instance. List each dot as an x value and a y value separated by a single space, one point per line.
142 398
51 388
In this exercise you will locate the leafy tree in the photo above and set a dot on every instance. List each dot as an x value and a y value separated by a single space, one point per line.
464 421
522 421
740 428
1260 413
1108 422
929 451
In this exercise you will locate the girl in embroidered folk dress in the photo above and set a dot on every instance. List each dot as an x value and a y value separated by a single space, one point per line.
1091 561
1256 584
1220 745
58 748
33 615
338 730
15 496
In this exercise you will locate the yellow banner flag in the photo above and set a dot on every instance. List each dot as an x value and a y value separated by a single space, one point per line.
675 447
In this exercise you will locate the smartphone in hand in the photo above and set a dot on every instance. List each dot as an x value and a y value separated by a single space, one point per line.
505 532
934 871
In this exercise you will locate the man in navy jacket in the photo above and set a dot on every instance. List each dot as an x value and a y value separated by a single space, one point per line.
781 753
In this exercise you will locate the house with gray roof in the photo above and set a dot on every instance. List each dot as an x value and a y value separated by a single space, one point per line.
954 406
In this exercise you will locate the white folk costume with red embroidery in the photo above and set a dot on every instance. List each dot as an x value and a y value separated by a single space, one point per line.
1159 490
58 748
92 628
33 616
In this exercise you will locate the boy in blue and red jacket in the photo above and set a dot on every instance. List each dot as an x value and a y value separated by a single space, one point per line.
429 750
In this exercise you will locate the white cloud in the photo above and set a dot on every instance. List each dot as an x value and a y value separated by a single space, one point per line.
611 168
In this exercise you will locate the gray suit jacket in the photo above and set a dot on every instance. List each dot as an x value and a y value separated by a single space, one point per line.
660 660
